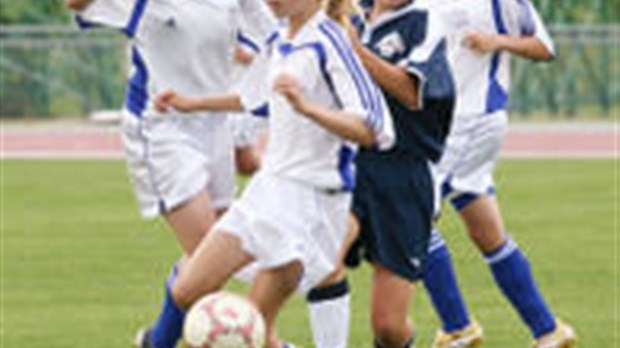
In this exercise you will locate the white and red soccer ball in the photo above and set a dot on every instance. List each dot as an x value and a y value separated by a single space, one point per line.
224 320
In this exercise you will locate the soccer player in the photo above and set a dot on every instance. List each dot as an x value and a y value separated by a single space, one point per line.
181 168
291 219
486 33
403 47
249 132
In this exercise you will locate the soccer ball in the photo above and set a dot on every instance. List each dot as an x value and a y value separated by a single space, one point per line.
224 320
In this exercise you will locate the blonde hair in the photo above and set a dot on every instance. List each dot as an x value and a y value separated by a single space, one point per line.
341 10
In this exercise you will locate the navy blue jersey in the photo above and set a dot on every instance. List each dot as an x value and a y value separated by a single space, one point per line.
412 37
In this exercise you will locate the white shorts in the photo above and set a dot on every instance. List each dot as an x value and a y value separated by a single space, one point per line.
280 221
247 129
170 160
471 153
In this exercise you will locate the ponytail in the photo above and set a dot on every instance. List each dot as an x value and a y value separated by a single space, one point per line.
341 10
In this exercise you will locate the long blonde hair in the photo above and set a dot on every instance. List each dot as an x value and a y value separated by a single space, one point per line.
341 10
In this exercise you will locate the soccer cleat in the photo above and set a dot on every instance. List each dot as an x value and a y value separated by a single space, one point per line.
468 337
562 337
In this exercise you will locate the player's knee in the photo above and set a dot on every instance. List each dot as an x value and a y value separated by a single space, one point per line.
185 295
487 239
288 277
391 329
182 295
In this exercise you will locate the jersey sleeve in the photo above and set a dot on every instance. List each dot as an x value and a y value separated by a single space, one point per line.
428 61
522 19
252 87
354 90
118 14
255 24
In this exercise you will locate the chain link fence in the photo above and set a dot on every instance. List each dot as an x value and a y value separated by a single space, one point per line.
57 71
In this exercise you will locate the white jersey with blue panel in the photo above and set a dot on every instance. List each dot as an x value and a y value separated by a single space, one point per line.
413 37
321 58
185 45
483 80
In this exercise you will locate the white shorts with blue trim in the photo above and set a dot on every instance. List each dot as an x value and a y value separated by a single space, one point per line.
471 153
280 221
172 159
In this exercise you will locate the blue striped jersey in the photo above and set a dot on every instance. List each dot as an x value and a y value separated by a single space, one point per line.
185 46
483 80
322 60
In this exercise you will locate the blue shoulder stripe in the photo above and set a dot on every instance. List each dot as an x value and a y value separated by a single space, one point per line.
246 41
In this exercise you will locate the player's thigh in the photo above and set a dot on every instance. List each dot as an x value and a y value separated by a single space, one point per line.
192 220
218 256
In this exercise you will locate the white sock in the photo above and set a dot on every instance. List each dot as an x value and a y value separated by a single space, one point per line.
330 316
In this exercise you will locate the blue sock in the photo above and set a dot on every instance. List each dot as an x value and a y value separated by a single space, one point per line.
513 275
440 282
169 326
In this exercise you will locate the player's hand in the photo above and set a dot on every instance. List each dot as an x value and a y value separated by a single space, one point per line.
242 56
481 42
170 98
289 87
353 36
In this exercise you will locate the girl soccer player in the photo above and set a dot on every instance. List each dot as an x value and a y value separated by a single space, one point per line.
403 47
180 168
291 220
485 35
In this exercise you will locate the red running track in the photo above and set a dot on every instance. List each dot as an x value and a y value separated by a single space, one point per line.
100 142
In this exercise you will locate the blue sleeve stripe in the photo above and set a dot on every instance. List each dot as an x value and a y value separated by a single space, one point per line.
346 52
496 96
361 81
497 17
261 111
526 19
136 15
84 23
246 41
137 91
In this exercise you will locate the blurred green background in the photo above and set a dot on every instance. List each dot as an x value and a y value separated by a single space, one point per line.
48 69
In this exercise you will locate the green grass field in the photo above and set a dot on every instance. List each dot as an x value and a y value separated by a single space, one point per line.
81 269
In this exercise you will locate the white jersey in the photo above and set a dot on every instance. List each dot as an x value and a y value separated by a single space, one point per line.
185 46
320 57
483 80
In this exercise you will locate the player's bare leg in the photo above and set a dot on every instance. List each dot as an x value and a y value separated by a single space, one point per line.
391 299
189 221
247 160
511 270
218 256
484 223
270 289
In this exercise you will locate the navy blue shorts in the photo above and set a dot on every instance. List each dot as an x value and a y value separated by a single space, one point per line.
393 202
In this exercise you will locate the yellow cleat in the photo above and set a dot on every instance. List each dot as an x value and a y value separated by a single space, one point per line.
562 337
470 336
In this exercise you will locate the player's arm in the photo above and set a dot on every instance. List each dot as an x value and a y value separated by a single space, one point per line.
78 5
530 47
395 80
224 102
342 123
